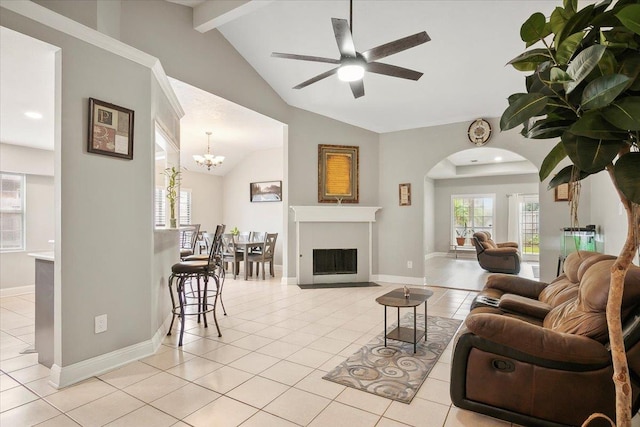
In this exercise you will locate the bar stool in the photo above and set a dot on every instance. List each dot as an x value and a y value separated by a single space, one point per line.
199 269
218 271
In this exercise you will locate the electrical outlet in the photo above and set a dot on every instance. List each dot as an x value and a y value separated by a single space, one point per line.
100 323
409 264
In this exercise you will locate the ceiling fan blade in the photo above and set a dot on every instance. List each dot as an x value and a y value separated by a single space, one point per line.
357 87
316 78
393 71
305 58
396 46
343 37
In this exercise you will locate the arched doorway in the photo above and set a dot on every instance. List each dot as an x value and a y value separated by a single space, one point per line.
479 189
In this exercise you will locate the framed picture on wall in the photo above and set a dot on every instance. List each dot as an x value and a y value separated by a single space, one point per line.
338 168
562 193
404 194
110 130
266 191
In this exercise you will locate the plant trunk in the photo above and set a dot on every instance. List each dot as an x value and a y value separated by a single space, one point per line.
614 321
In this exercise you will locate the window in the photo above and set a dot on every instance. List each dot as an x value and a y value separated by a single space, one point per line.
529 224
160 203
12 211
185 207
471 214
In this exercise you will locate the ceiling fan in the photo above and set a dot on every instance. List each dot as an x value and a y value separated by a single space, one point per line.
352 64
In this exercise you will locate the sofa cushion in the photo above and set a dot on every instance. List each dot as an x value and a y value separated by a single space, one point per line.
586 315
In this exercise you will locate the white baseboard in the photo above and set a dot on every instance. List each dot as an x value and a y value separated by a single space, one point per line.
289 280
434 255
18 290
404 280
63 376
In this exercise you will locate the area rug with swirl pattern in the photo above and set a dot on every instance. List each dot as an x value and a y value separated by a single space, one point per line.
394 371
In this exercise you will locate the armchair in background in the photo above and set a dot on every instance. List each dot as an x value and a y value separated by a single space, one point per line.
496 258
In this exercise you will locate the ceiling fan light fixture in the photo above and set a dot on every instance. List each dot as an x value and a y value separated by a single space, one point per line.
351 72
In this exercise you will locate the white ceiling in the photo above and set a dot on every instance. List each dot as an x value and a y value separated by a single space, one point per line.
236 131
482 161
465 76
26 85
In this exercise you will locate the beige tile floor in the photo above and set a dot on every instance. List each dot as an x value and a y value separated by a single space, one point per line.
277 342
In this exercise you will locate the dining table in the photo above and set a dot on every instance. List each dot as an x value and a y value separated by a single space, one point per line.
246 245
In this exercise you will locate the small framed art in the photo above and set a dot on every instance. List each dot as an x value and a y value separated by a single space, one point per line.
404 194
266 191
110 130
562 193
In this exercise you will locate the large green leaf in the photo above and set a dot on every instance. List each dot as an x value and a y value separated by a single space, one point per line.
533 28
536 83
590 155
558 75
631 68
577 22
592 125
607 64
568 47
582 65
624 113
626 171
603 91
522 109
529 60
570 6
547 128
558 20
630 17
564 177
555 156
514 97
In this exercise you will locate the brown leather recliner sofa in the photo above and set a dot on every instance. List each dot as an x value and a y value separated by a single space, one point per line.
554 371
496 257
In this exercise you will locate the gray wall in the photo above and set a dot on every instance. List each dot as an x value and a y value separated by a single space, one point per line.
407 156
104 244
500 186
238 211
607 214
17 268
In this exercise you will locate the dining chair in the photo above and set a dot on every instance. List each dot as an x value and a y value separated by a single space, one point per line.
230 253
259 236
188 239
266 255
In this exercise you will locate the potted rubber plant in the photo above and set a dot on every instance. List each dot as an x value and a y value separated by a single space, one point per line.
173 183
583 86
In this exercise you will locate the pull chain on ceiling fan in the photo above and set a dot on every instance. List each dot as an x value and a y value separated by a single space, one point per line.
352 64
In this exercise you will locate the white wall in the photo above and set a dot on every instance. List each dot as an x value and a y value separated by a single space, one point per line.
206 198
238 211
17 269
607 214
499 186
429 244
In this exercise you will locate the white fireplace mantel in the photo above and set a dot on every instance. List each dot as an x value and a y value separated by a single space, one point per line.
340 213
333 214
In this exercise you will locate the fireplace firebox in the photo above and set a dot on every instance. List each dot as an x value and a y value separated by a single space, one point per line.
335 261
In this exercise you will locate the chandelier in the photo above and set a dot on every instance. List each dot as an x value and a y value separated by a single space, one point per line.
208 159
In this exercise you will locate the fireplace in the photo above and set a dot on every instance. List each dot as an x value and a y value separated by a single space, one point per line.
335 261
345 231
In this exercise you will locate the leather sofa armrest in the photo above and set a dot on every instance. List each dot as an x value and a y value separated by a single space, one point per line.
523 305
501 251
507 245
537 341
511 284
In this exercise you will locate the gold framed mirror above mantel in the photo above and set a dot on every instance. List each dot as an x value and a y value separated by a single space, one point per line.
338 174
